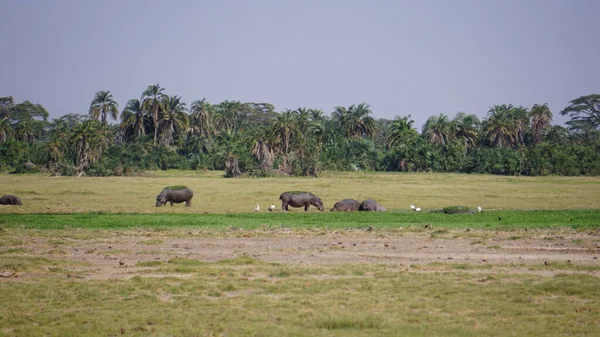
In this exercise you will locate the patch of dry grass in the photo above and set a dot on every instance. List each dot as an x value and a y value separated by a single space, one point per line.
215 194
248 297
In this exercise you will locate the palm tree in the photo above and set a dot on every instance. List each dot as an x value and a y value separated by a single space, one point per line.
438 129
102 106
56 145
200 118
132 119
521 117
261 141
284 128
303 118
90 139
174 119
28 130
355 121
465 128
152 100
541 119
229 116
230 150
500 128
58 140
316 115
5 130
401 129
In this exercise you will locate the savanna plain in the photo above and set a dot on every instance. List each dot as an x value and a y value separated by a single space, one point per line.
94 257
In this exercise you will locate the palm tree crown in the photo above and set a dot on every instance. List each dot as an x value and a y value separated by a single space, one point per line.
541 119
152 103
103 105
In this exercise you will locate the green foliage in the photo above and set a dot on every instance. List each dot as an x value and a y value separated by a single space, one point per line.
584 113
249 138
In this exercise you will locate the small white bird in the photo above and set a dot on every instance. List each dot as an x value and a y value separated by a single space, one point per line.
272 207
257 208
412 207
479 209
418 209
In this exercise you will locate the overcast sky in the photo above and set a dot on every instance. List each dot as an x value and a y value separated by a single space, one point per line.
421 57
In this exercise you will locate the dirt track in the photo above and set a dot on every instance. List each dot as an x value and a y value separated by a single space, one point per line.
115 255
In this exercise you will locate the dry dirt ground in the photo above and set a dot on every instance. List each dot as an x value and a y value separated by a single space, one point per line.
116 254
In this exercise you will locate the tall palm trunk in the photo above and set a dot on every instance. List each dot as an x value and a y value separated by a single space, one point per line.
155 117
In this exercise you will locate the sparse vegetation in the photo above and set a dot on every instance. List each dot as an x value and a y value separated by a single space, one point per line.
171 272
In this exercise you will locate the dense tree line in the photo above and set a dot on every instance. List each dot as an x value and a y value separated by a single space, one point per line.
160 131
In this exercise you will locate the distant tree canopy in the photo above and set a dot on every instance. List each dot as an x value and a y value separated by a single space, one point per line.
161 131
584 113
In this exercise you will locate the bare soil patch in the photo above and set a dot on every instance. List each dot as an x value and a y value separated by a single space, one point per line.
119 254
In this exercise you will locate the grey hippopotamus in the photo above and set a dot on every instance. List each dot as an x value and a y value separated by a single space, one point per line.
175 194
10 200
346 205
299 199
371 205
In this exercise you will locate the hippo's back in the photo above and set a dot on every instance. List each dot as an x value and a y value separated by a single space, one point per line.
179 194
346 205
371 205
296 196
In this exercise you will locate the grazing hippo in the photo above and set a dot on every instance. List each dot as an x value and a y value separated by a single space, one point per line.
299 199
346 205
175 194
371 205
10 200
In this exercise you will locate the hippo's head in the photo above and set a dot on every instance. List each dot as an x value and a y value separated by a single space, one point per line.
161 199
318 203
18 201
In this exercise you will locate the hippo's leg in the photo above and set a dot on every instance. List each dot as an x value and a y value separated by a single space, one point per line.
306 206
284 206
188 203
171 203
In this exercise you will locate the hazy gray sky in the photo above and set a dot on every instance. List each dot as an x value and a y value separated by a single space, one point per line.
421 57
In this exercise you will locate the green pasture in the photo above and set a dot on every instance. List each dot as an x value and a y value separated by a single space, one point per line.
215 194
498 220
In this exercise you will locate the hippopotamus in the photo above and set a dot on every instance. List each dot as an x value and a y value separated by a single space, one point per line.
346 205
299 199
175 194
10 200
371 205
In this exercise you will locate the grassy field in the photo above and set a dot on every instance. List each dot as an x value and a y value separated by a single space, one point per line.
496 220
214 194
247 297
95 257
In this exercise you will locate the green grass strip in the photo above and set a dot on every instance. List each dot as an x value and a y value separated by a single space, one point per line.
504 220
